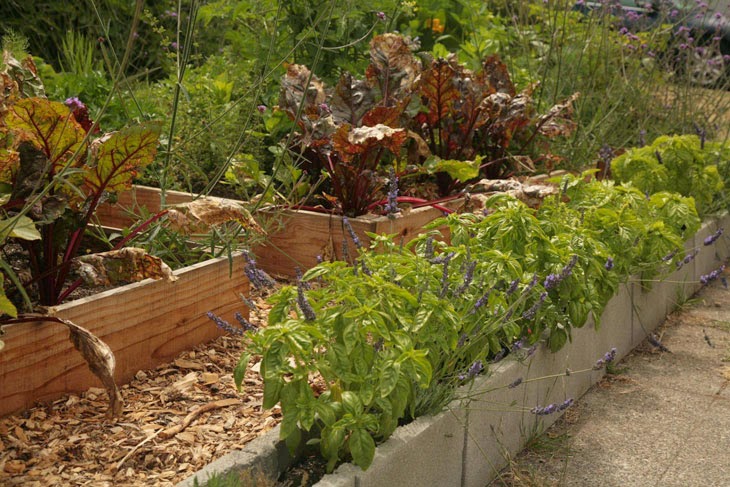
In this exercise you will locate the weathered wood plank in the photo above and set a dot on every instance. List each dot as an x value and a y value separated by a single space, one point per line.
145 324
130 203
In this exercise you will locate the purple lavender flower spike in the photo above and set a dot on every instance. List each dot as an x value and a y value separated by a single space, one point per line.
551 281
353 235
391 208
259 279
468 277
708 278
530 313
712 238
609 264
223 324
304 304
516 382
475 369
247 325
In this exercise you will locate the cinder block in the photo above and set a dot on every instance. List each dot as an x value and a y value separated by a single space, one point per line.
499 417
427 451
265 454
615 327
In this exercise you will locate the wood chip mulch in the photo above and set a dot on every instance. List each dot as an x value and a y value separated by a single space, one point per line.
177 418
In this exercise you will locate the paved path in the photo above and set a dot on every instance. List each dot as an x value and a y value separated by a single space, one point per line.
663 421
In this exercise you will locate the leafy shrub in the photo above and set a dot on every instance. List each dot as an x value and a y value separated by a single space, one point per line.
392 336
685 164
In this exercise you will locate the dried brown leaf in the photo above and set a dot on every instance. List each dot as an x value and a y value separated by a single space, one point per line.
203 213
130 264
101 362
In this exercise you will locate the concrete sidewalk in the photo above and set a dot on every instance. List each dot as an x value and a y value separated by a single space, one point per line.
663 421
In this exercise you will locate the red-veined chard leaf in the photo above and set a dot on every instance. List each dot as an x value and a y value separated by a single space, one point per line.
116 157
438 90
50 126
393 67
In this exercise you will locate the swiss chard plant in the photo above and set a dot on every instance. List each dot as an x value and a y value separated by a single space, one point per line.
421 118
55 170
350 352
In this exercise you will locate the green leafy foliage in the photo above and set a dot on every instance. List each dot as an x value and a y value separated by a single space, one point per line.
54 174
683 164
392 336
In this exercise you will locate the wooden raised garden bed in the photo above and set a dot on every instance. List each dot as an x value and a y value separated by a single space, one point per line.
144 323
296 237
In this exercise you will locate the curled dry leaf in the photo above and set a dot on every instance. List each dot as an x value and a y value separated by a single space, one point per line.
101 362
125 265
203 213
559 119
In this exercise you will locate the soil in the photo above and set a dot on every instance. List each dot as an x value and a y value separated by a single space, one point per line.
71 442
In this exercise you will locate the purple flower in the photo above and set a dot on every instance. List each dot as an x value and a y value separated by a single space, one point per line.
512 287
712 238
223 324
353 235
391 208
247 325
551 408
74 103
500 355
445 275
530 313
568 269
174 46
609 357
609 264
515 383
303 303
708 278
468 277
475 369
365 269
325 109
381 16
259 278
551 281
669 256
687 258
261 108
655 342
481 301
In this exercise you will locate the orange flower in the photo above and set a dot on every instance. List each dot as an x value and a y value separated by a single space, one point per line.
435 25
